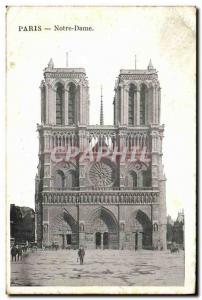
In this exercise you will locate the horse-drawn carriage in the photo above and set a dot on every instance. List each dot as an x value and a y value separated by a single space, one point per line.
33 246
51 246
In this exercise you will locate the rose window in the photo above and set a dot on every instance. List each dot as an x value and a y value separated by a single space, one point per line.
102 174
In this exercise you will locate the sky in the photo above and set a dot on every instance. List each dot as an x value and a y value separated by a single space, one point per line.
166 35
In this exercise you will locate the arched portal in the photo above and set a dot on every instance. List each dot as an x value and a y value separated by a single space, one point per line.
64 231
103 226
141 227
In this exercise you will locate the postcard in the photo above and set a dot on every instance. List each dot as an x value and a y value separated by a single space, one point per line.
101 150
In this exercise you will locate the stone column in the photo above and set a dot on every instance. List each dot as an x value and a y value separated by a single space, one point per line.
138 107
66 105
85 108
77 105
102 241
122 108
125 120
81 105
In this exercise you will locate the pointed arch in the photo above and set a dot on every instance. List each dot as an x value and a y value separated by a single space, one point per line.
71 103
57 81
70 220
140 222
119 105
131 104
143 93
106 216
59 88
138 175
64 229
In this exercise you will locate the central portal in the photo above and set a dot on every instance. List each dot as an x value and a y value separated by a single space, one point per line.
104 228
101 240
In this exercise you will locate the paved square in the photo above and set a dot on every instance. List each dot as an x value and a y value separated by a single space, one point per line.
101 268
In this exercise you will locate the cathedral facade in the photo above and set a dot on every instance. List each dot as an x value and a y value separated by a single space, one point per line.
100 186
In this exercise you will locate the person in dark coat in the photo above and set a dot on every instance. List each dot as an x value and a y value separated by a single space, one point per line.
19 253
14 251
81 254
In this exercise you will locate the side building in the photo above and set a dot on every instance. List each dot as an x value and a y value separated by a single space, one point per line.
22 224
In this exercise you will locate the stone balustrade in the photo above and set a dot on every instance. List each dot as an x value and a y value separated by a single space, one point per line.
95 197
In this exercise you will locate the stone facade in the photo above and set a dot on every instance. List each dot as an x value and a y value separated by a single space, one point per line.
109 191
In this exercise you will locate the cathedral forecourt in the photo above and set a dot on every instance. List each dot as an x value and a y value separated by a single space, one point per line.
105 204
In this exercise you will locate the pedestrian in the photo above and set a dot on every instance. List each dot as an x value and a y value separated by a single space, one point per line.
81 254
19 253
14 252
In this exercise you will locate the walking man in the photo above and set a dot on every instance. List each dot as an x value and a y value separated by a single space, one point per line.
81 254
14 252
19 253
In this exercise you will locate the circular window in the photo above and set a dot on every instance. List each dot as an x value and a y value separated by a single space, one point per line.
102 174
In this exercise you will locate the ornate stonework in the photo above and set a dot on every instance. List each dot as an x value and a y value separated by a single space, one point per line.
117 201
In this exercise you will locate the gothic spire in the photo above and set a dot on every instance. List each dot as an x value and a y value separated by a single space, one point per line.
51 64
101 110
150 66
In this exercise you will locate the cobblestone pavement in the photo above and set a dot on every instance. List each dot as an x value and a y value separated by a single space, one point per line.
101 268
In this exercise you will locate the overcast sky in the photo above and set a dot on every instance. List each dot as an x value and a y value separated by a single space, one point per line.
166 35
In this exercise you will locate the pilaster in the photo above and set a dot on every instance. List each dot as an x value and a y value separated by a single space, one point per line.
125 105
66 94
